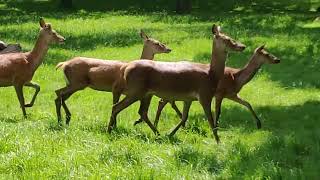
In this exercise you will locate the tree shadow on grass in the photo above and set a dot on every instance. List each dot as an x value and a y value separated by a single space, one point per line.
13 119
280 120
290 148
208 162
124 38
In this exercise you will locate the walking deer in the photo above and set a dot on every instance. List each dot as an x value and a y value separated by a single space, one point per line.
233 81
17 69
98 74
175 81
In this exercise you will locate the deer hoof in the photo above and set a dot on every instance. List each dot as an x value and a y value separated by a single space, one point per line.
28 105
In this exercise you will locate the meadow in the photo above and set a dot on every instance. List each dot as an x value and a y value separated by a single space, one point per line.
286 97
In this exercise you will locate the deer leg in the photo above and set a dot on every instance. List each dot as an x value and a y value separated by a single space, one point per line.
218 107
58 102
140 120
37 88
248 106
62 95
115 100
65 107
161 105
206 105
117 108
19 91
186 107
143 111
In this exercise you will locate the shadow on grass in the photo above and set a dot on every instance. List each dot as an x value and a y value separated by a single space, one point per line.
280 120
124 38
13 119
190 156
291 148
54 126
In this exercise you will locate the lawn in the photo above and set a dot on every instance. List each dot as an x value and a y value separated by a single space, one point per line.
286 97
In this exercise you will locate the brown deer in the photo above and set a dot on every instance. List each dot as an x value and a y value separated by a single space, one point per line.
175 81
98 74
17 69
9 48
233 81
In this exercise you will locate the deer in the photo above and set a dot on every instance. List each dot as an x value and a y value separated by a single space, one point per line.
17 69
97 74
9 48
233 81
140 80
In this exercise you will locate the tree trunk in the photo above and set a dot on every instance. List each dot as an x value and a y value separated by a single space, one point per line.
66 4
183 6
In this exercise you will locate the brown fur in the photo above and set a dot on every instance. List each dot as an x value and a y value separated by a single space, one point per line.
232 82
17 69
167 80
98 74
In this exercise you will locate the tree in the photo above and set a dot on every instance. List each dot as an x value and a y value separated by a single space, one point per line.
66 4
183 6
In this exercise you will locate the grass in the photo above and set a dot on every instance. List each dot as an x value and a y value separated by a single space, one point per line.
285 96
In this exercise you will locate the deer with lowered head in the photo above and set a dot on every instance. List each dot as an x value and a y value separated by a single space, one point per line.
175 81
98 74
9 48
17 69
233 81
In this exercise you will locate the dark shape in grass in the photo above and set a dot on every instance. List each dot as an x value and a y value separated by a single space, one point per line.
7 119
123 156
166 139
188 155
53 126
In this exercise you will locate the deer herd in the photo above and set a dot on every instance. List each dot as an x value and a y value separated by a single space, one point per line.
139 80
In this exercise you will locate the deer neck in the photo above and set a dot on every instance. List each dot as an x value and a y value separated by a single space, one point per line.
217 64
147 53
38 52
248 71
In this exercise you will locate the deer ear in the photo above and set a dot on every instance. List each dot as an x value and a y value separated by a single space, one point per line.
42 23
216 29
143 35
261 47
49 26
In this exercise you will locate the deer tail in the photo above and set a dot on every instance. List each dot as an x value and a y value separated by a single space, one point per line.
60 65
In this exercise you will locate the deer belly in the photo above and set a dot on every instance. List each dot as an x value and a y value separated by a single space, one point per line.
172 96
101 85
101 81
6 79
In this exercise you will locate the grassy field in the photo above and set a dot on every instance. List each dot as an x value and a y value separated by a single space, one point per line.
286 97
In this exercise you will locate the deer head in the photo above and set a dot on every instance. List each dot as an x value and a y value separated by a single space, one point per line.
266 57
224 42
48 33
154 45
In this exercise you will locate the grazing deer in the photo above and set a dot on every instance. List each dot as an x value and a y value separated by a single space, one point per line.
175 81
98 74
233 81
10 48
17 69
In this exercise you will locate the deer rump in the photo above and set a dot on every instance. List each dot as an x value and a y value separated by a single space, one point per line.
178 81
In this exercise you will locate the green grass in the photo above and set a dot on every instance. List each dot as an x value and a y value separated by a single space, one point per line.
286 97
